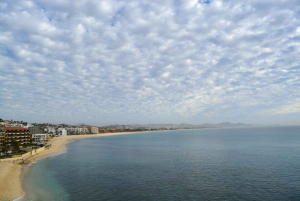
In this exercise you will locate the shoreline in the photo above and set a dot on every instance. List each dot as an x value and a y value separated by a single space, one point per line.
59 143
11 174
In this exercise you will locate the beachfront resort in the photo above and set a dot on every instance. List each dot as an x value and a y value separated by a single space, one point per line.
16 140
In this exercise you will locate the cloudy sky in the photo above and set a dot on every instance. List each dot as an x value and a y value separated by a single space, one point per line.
139 61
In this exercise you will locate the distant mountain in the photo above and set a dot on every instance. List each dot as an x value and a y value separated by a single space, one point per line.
227 124
81 124
185 125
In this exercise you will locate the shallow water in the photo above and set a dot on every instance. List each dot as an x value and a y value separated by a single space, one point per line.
215 164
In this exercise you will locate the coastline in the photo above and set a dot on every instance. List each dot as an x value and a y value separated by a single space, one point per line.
11 174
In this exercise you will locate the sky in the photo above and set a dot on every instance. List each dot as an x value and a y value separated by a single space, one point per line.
104 62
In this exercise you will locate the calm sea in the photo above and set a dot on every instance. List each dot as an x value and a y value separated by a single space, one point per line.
216 164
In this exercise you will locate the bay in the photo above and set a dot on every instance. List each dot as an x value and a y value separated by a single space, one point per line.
209 164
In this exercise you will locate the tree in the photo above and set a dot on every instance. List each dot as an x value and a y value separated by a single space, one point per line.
1 120
47 138
4 148
15 144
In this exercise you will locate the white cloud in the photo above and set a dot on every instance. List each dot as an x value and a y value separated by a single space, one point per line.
148 60
290 108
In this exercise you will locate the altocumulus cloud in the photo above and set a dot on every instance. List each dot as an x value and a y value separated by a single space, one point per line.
150 61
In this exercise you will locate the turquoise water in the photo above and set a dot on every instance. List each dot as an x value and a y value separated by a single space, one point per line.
216 164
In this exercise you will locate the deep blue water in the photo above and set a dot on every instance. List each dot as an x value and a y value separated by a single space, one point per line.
215 164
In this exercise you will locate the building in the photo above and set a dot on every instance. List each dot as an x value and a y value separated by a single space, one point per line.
36 130
51 130
62 131
40 139
84 130
77 130
28 125
19 134
2 138
94 130
73 131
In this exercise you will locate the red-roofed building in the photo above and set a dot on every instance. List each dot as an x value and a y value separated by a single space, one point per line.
21 135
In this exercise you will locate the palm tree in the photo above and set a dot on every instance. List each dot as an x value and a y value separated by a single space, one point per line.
4 148
15 144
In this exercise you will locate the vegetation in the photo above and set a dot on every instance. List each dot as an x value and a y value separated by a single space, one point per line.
15 144
21 152
5 147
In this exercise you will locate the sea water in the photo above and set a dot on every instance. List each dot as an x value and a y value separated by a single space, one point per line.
207 164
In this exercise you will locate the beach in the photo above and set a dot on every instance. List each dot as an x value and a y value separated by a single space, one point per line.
10 181
11 174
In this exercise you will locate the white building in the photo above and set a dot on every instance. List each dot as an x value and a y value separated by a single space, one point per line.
77 130
62 131
94 130
80 130
73 131
84 130
40 138
51 130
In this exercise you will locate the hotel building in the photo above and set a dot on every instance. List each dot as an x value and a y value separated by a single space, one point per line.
2 138
21 135
94 130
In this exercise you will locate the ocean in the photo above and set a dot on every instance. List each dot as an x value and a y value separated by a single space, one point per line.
208 164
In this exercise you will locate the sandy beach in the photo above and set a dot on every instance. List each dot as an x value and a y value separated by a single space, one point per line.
10 181
11 174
